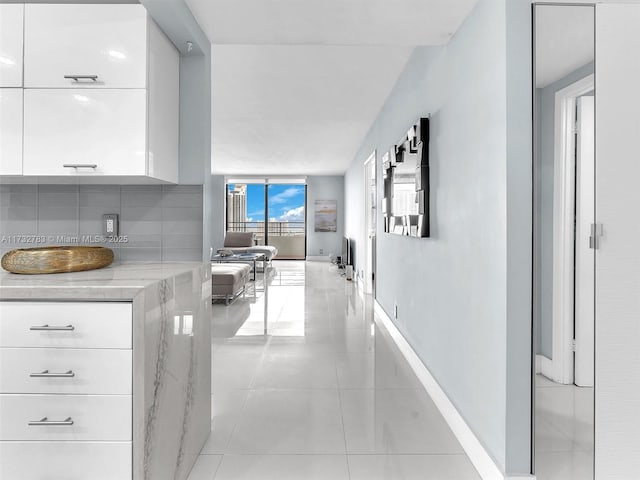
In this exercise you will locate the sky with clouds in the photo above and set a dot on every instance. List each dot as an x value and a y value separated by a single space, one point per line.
286 202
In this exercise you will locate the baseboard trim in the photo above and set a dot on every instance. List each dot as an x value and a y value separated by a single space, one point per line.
318 258
480 458
544 366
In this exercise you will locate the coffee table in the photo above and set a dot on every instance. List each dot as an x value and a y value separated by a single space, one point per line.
250 258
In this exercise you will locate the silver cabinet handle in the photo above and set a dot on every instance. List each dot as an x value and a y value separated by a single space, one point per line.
51 423
80 165
66 328
77 78
48 374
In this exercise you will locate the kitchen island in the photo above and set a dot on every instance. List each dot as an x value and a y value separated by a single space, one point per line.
105 374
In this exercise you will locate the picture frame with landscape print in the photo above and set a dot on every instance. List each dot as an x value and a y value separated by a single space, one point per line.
326 216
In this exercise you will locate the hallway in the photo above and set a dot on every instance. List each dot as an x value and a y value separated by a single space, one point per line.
307 384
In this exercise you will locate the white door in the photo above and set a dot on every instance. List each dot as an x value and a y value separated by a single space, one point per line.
93 132
617 389
11 45
108 42
584 254
370 222
10 131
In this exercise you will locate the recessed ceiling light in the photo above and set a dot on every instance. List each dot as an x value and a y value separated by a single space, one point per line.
6 61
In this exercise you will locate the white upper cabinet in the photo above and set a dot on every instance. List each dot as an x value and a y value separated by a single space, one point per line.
101 94
85 132
11 22
10 131
85 46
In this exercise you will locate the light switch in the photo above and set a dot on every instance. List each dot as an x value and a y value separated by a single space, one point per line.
110 224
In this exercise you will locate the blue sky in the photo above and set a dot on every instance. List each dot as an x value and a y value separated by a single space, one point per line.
286 202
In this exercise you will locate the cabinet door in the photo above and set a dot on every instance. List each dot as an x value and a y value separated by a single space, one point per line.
108 42
617 387
10 131
11 45
101 131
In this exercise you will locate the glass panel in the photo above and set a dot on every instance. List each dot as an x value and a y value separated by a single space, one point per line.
246 209
563 263
286 225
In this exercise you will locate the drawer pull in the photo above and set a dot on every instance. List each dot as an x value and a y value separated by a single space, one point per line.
77 78
48 374
51 423
66 328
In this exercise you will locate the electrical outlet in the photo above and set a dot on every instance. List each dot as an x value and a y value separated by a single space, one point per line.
110 224
395 310
322 251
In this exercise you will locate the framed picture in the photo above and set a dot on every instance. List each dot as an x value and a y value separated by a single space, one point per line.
326 216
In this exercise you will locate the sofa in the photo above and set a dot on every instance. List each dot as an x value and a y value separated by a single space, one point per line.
244 242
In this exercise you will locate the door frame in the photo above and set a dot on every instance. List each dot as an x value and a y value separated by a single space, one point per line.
368 279
560 367
584 324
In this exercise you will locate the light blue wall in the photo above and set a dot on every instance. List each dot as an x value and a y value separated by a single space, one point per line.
543 228
519 186
325 188
463 295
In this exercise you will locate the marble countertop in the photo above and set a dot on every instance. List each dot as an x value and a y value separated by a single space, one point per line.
119 281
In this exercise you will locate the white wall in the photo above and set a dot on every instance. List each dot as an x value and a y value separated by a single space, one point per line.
463 295
324 188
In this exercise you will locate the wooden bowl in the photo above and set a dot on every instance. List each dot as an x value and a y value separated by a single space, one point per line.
56 259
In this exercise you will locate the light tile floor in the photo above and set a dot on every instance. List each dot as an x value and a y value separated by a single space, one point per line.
308 386
564 431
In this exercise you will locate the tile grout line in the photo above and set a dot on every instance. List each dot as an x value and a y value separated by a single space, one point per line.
344 430
235 426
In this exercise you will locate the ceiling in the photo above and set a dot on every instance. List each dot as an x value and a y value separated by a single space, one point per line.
330 22
297 84
296 109
564 41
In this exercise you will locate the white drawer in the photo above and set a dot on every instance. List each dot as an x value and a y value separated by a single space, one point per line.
94 417
65 324
65 461
65 370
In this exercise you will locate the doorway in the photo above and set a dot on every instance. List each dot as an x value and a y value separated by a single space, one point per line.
371 212
564 258
572 283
